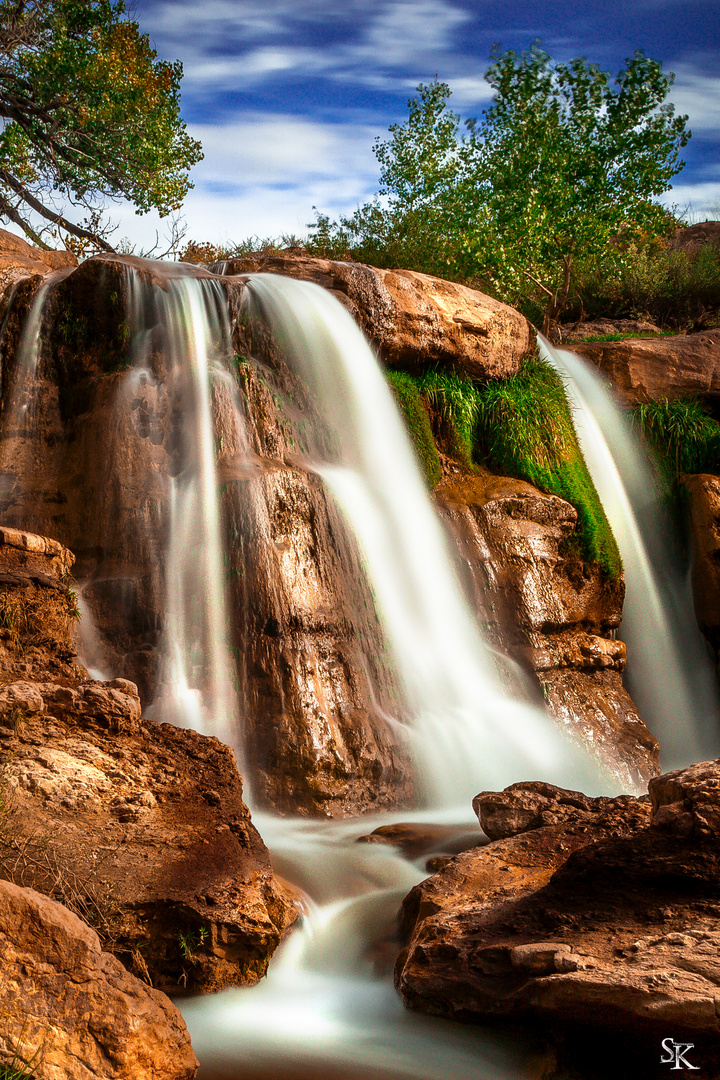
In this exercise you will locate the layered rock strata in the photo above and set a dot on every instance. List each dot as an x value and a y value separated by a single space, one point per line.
557 615
414 321
646 369
69 1011
588 915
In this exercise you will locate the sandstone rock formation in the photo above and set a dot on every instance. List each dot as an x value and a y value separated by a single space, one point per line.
415 321
645 369
586 915
311 657
140 826
704 505
557 615
18 260
72 1011
693 237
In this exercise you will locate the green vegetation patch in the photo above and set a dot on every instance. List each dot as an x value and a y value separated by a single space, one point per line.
525 429
682 433
455 402
409 398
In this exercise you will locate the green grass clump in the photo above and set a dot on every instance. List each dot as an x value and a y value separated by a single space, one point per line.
456 402
683 434
525 429
409 399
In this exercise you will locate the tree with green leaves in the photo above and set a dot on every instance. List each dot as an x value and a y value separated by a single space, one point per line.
562 164
89 114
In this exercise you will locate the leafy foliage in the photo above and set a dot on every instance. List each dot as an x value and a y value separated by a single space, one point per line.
532 193
89 113
672 288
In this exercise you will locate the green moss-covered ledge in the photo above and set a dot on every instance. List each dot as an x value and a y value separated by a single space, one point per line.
522 427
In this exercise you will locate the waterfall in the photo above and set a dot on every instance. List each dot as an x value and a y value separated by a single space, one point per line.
670 671
196 678
466 732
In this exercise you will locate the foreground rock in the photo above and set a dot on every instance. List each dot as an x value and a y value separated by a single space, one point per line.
71 1010
139 827
555 614
645 369
585 914
143 828
414 320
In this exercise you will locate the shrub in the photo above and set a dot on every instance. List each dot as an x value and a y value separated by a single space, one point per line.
682 433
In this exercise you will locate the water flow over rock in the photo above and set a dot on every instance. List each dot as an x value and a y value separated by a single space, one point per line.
670 672
463 726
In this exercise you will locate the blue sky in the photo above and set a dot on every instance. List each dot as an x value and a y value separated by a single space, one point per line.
287 95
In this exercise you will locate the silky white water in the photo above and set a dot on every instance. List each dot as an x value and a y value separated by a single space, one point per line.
670 672
196 684
465 731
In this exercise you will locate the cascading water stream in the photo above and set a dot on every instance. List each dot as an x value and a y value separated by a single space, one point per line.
196 685
466 731
670 670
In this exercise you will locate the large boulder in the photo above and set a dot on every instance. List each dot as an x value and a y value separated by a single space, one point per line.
555 614
415 321
18 260
645 369
142 827
586 916
71 1011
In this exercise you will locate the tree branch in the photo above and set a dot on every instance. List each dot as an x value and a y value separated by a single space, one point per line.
10 212
57 219
539 285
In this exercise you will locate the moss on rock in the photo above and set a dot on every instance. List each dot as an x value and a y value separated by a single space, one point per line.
409 398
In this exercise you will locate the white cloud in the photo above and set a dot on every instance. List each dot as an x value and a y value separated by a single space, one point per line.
697 95
699 201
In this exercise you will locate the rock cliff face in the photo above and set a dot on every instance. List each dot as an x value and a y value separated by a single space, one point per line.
555 614
414 321
645 369
107 437
140 827
583 913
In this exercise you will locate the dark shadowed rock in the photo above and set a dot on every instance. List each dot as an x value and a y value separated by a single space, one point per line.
693 237
71 1011
415 321
645 369
602 916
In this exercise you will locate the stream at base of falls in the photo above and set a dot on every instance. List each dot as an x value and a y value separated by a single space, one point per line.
328 1010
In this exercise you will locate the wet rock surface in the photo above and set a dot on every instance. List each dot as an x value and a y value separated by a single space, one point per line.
541 604
415 321
646 369
597 917
72 1011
